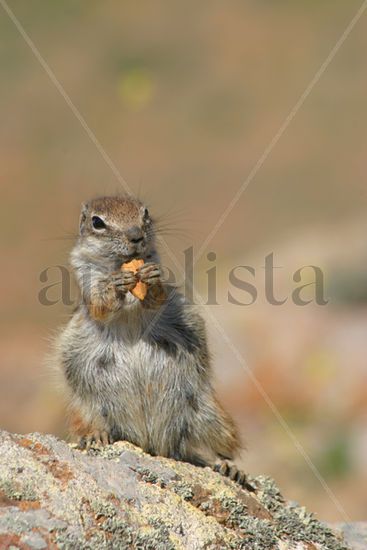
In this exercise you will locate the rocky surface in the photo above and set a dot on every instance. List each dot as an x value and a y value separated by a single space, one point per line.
355 534
54 496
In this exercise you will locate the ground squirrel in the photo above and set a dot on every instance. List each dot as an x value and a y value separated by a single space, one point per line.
138 370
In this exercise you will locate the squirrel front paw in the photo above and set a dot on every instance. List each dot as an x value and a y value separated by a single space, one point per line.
124 281
150 274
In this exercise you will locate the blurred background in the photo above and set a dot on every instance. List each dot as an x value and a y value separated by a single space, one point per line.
185 97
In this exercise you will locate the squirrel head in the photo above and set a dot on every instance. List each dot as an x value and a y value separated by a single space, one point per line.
118 228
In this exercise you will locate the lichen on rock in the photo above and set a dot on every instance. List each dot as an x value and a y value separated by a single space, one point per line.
55 496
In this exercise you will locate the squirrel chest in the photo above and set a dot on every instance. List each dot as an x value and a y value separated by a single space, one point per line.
123 361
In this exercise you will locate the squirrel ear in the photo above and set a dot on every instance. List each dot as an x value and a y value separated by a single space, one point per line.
83 217
145 212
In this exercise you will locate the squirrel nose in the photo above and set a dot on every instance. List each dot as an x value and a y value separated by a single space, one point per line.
135 234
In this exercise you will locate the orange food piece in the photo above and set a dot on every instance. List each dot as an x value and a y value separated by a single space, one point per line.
141 289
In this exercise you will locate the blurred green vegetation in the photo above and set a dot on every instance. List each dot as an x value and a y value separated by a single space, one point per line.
334 460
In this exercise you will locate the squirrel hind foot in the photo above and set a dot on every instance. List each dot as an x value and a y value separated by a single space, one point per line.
95 439
226 469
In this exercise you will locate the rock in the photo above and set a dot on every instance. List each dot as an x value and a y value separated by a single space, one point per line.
54 496
355 534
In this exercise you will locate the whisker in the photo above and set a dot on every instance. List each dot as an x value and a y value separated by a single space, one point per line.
64 238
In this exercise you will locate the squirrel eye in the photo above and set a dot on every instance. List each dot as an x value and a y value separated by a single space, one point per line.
146 214
98 223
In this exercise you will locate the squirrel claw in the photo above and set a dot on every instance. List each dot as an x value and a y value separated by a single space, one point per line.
150 274
124 280
96 439
232 472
